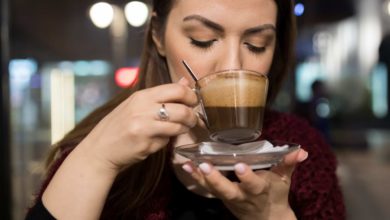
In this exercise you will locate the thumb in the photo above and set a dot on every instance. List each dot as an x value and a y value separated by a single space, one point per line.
287 166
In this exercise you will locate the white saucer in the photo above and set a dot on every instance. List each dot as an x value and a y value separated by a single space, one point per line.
258 155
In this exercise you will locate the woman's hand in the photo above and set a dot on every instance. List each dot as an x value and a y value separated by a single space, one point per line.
133 130
259 195
127 135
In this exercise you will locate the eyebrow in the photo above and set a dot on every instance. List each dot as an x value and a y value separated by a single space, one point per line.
259 29
219 28
206 22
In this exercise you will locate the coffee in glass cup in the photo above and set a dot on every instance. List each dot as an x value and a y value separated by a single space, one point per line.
233 102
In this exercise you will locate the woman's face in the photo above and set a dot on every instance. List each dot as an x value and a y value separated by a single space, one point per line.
215 35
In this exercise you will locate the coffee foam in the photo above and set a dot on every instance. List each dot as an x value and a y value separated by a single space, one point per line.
220 91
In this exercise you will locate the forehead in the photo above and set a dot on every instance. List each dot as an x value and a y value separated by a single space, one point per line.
229 13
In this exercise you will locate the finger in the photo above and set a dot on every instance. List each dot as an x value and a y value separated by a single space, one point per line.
178 113
287 166
219 185
201 121
173 92
195 173
250 181
295 157
185 82
200 184
154 128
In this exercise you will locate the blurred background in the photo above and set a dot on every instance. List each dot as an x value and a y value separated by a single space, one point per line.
61 59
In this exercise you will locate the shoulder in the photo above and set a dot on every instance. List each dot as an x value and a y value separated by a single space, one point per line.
314 192
276 118
321 163
288 127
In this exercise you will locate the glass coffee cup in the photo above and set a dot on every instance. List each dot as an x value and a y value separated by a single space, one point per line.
233 103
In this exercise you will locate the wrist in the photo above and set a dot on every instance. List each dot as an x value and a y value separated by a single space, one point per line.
96 161
283 213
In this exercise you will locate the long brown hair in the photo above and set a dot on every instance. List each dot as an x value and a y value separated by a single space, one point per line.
135 185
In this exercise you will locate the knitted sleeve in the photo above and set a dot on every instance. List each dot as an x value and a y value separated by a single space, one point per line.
315 192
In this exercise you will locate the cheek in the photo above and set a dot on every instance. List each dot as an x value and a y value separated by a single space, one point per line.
178 48
266 67
176 51
265 61
179 51
259 63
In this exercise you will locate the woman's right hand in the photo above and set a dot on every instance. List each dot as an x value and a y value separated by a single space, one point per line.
133 130
127 135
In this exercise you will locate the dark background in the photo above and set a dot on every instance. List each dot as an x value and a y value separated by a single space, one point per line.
48 30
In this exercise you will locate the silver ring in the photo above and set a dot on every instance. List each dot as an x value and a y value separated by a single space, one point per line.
162 113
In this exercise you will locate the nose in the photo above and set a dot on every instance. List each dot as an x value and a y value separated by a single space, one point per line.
230 56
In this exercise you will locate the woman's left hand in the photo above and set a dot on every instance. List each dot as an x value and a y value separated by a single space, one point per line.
262 194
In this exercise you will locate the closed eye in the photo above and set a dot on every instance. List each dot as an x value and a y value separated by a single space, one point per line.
255 49
202 44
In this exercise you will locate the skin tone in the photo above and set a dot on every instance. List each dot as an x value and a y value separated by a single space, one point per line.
200 32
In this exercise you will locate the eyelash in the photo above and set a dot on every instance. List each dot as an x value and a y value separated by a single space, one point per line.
202 44
254 49
208 44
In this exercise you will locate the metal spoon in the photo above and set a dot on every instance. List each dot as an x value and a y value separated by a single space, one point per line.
190 71
202 115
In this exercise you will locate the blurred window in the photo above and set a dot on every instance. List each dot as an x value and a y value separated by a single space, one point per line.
306 74
379 87
47 100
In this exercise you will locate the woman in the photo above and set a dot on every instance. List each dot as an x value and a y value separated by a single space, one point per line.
118 162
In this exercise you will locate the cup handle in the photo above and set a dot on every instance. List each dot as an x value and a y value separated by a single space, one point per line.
203 119
201 115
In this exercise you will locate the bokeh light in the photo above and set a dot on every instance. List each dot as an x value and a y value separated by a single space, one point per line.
101 14
299 9
126 76
136 13
388 7
323 108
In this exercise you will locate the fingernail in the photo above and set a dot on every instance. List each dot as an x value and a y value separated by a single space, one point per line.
205 168
302 155
239 168
181 80
197 95
187 168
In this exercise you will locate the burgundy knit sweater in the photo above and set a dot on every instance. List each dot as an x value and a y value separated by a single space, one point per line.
314 194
